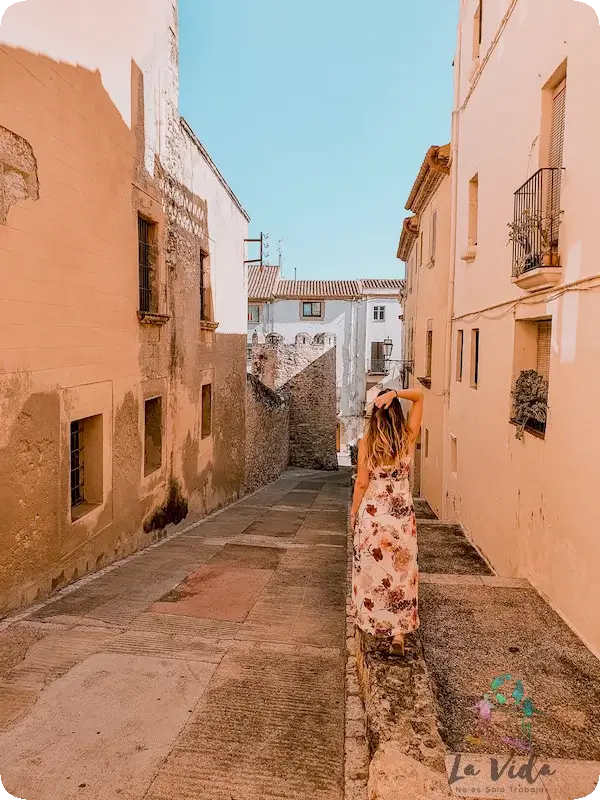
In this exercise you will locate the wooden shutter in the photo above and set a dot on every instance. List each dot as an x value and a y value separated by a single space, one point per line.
557 141
544 345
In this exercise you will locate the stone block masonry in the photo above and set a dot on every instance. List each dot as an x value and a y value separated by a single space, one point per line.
267 434
306 376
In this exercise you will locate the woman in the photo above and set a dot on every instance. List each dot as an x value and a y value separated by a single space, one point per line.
385 574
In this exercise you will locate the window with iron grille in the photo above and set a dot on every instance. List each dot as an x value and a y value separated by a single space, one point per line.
77 493
205 310
310 309
379 313
85 465
378 364
254 313
146 238
473 210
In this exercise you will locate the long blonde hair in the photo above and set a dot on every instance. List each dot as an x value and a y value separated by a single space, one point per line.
388 439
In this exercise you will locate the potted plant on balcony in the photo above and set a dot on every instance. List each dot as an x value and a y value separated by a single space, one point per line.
535 235
530 400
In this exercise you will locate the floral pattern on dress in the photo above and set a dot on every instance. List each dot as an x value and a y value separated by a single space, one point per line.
385 576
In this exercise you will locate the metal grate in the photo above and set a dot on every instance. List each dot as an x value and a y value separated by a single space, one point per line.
536 221
145 264
205 289
77 495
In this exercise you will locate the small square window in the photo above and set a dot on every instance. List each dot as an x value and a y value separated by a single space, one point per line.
311 309
86 460
379 313
152 435
206 411
253 313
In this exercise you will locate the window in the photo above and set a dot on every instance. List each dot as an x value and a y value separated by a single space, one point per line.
310 309
426 442
152 435
206 410
453 456
253 313
544 347
474 358
205 310
429 348
379 313
86 459
477 29
473 210
421 249
147 278
556 146
460 341
433 236
377 358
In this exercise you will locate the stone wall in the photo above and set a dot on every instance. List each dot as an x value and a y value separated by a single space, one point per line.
306 375
267 434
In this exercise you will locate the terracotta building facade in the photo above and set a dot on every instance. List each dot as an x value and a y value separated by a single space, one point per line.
123 334
520 441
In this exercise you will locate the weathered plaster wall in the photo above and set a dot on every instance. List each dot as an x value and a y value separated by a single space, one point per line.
267 434
91 149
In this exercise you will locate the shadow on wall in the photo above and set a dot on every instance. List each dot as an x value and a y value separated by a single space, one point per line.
311 394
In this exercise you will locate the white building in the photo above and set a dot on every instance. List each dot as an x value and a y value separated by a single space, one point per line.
362 315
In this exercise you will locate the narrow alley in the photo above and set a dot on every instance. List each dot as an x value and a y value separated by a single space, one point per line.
210 665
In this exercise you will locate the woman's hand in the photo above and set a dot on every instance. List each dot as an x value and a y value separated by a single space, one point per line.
385 400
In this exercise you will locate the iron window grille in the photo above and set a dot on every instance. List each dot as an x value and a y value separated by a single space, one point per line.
77 493
145 265
204 288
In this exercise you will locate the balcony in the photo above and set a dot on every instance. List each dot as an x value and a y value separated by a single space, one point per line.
386 368
534 231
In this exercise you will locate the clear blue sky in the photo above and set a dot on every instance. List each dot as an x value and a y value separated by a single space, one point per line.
318 113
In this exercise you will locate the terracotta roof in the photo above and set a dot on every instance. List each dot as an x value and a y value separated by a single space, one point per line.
381 284
435 166
311 290
262 282
410 231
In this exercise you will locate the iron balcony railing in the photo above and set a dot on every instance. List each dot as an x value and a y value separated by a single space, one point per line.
537 217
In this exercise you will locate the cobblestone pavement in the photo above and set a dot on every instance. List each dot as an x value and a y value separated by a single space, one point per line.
209 666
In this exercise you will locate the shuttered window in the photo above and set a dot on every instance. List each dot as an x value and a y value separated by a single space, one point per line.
544 340
429 355
557 141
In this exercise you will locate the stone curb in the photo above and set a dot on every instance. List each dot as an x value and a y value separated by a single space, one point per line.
394 748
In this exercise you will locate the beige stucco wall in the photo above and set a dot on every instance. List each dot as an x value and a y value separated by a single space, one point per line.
86 143
529 505
427 300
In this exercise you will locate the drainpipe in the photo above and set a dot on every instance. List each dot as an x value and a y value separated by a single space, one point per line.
452 264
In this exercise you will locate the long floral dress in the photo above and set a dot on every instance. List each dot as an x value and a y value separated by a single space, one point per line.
385 576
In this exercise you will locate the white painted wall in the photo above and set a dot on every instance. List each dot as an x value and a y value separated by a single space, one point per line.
106 35
390 328
227 229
